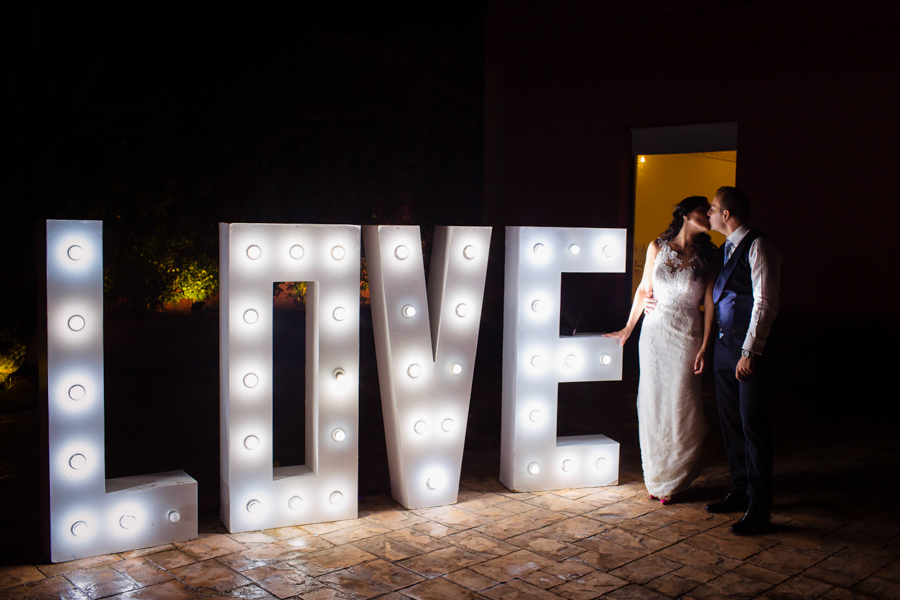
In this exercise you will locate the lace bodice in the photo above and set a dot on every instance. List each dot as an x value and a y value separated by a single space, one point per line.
674 284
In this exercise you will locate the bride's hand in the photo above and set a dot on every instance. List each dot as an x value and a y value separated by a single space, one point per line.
623 335
699 362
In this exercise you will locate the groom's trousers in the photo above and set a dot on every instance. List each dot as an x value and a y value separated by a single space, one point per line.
746 427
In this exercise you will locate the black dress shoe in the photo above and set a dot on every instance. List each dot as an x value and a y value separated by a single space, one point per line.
733 502
754 522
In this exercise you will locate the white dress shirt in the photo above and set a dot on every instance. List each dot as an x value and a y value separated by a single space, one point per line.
765 275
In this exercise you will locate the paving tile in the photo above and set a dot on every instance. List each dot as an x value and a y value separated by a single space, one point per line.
386 574
842 594
353 585
440 561
170 559
521 523
474 541
281 580
606 555
649 522
632 540
732 547
470 579
146 551
635 591
878 587
11 576
351 534
671 585
420 541
286 533
515 564
304 544
519 590
608 495
209 545
52 588
331 559
698 558
473 501
890 572
508 508
142 570
258 556
323 528
432 529
694 574
787 559
440 588
76 565
210 577
676 532
762 574
393 518
168 590
249 538
620 511
329 593
247 592
99 582
849 566
386 548
551 548
453 517
731 585
800 587
557 503
646 569
590 586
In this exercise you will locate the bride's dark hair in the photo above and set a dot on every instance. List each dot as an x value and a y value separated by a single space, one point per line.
705 250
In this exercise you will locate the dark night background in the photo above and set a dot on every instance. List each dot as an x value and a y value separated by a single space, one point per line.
163 120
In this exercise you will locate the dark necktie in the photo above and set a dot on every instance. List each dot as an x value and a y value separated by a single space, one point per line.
728 248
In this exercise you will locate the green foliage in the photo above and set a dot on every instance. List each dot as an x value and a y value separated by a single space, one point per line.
295 290
12 355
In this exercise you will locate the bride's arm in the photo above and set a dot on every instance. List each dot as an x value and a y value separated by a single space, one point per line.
644 291
709 315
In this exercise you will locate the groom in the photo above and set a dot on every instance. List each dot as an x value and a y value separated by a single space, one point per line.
746 299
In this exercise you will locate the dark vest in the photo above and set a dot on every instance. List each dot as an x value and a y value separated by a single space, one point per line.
733 292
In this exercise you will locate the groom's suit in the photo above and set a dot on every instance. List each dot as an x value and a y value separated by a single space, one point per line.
746 300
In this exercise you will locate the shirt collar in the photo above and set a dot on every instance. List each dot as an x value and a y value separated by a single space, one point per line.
738 234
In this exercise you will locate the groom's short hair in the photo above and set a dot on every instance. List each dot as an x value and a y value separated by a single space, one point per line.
735 202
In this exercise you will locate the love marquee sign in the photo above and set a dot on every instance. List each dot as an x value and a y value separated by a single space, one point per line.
425 337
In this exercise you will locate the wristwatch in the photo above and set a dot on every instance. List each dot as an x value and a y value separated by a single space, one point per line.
747 353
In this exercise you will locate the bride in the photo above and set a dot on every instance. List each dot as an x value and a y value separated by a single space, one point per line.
679 276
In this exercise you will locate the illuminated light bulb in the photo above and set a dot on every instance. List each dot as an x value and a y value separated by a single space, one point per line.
571 360
575 249
337 253
127 521
432 483
540 250
537 306
75 252
601 462
336 498
401 252
339 314
605 359
414 370
469 252
447 425
251 316
76 323
408 311
456 368
536 416
537 361
250 380
76 392
77 461
534 468
173 516
251 442
295 502
568 466
253 506
339 374
338 435
420 427
79 529
608 251
253 252
296 252
462 310
643 159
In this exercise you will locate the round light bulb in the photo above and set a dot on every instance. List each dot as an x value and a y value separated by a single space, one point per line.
432 483
253 252
447 425
537 361
339 314
537 306
534 468
338 374
77 461
601 462
337 253
338 435
251 380
127 521
296 252
336 497
76 392
469 252
173 516
568 465
605 359
462 310
535 416
253 506
456 368
251 442
79 529
408 311
540 249
401 252
571 360
420 427
76 323
251 316
295 502
414 370
608 251
575 249
75 252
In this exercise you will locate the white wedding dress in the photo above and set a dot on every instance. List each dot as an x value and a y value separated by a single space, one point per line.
671 423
